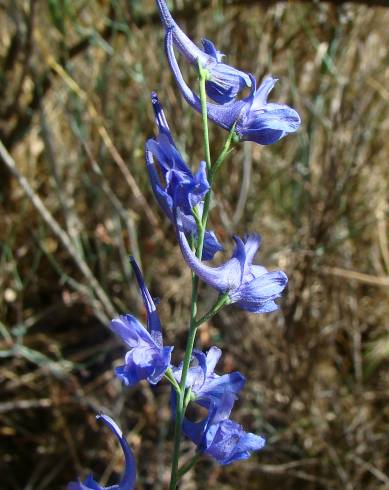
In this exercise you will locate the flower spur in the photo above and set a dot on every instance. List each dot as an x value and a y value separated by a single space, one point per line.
128 480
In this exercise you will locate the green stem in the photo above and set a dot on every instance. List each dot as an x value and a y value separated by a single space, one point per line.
170 377
225 151
189 465
204 113
220 303
183 394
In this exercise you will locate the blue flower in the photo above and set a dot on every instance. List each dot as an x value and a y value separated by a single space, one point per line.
128 479
249 286
225 81
147 358
220 437
254 118
180 187
207 386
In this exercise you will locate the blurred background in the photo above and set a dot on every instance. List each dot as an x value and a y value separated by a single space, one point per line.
75 79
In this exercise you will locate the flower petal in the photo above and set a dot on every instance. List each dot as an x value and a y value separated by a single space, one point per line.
268 124
262 92
260 290
215 387
210 49
213 356
130 330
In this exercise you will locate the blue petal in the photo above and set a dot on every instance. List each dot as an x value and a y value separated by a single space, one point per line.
268 124
225 82
212 358
210 49
164 200
136 368
260 290
247 443
274 116
130 330
267 307
263 137
252 242
211 246
223 408
197 372
262 92
161 364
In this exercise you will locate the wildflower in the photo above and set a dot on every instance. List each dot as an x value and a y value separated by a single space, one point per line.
181 188
254 118
249 286
147 358
220 437
207 386
128 479
224 81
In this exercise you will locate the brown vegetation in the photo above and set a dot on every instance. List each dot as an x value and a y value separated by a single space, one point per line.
75 80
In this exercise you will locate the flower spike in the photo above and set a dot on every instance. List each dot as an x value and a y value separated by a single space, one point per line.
147 357
128 479
249 286
225 82
255 119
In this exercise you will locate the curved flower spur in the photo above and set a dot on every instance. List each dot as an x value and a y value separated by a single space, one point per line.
147 357
252 118
224 81
128 479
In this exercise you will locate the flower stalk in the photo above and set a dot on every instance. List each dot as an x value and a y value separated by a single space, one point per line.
182 395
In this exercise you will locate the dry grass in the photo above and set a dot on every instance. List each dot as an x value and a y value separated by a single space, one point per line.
318 370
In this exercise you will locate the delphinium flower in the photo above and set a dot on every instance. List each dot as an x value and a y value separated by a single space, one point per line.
249 286
206 386
220 437
181 188
253 118
224 81
147 357
128 480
